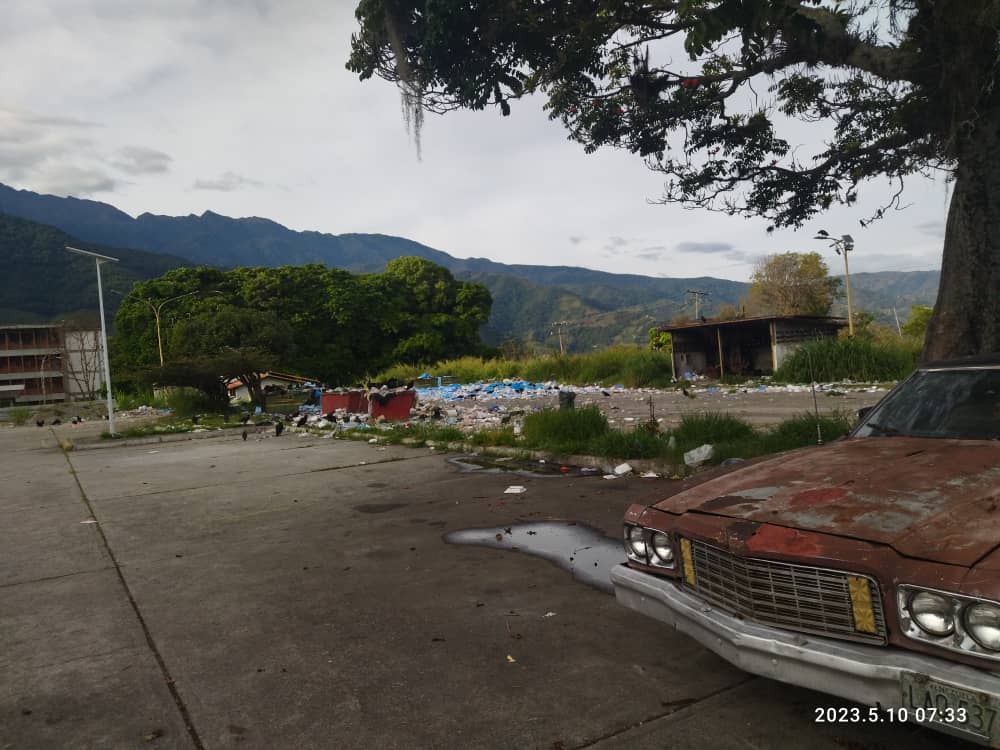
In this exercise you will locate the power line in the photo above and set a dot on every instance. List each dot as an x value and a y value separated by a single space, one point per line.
697 294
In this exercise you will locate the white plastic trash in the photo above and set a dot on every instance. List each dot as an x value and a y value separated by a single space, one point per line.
623 469
699 455
515 489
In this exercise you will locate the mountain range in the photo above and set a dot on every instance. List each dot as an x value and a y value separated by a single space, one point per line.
598 307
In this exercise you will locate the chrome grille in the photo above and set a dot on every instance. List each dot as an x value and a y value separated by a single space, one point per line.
794 597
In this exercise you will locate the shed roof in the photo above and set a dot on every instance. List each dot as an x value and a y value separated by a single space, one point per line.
736 322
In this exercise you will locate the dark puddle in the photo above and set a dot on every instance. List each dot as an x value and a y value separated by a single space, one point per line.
378 507
582 550
527 467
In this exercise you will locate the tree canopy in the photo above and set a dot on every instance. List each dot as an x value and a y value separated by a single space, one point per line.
321 322
703 91
792 284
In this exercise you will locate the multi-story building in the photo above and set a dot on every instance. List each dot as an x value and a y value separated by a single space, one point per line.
43 363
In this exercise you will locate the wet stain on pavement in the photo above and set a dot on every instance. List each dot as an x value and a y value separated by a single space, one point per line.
378 507
582 550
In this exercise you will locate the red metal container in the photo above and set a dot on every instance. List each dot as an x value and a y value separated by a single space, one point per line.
393 405
353 401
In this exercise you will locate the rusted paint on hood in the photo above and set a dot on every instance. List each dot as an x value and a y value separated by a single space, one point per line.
930 499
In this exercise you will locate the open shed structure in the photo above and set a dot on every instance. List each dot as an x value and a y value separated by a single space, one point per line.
744 346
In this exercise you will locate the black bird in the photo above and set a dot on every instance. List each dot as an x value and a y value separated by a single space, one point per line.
195 418
246 417
605 392
244 435
278 427
301 421
40 422
687 393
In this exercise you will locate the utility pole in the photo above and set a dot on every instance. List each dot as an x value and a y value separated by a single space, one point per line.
845 243
698 294
560 324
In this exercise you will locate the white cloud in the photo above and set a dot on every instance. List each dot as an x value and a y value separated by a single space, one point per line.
226 182
224 95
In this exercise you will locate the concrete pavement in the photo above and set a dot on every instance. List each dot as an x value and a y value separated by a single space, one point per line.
295 593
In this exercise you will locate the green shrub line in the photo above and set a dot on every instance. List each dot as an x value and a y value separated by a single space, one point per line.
823 360
587 432
858 359
630 366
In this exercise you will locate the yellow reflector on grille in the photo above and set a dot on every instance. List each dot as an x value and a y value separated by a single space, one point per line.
861 603
688 562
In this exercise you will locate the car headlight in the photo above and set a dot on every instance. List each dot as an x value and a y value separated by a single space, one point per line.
932 613
635 543
982 621
955 622
663 550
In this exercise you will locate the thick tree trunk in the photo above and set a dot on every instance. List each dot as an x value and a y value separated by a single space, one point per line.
966 318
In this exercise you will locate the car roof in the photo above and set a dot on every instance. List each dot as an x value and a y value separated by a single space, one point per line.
978 360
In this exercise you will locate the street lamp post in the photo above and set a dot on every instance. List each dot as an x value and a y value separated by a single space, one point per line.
845 243
98 260
155 308
156 315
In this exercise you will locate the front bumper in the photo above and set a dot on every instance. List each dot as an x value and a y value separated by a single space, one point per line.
869 675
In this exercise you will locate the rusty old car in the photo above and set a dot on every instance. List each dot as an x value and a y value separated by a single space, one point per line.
866 568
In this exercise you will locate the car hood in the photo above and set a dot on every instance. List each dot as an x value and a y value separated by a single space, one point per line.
931 499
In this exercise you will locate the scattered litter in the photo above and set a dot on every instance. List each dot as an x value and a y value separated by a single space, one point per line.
623 469
649 475
511 659
610 476
152 451
549 614
372 441
89 520
515 489
699 455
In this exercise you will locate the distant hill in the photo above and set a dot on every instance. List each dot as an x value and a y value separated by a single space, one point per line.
601 307
41 282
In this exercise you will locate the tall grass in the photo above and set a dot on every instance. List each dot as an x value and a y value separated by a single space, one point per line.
564 430
631 366
830 359
19 415
586 431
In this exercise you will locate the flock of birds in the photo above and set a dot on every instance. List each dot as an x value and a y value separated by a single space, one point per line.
57 421
296 418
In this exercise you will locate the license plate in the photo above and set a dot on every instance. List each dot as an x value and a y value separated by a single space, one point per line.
951 708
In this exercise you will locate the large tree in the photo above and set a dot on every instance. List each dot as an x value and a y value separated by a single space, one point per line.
894 88
792 284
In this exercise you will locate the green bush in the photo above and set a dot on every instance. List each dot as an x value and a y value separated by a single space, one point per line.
710 427
830 359
635 444
564 430
19 415
800 431
186 402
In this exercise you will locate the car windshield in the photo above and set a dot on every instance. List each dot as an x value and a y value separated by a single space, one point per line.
960 403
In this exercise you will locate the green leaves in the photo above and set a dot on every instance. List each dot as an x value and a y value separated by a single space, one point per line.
321 322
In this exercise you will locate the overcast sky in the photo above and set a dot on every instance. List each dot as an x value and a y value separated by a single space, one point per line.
244 108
